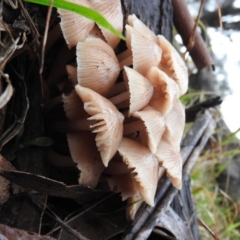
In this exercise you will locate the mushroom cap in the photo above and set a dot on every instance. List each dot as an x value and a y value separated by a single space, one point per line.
171 160
84 152
75 27
175 122
73 106
173 64
112 11
165 90
98 67
145 167
139 26
145 52
109 128
72 74
154 122
134 204
141 90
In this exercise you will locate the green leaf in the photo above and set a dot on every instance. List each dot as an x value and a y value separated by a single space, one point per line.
84 11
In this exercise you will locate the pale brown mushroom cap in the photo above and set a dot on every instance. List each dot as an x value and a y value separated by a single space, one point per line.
141 90
72 74
145 167
154 122
139 26
165 90
84 152
75 27
112 11
175 122
171 160
98 67
73 106
145 52
109 128
173 64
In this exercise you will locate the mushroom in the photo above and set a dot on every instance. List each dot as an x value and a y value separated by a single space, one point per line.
109 126
145 167
170 158
97 65
173 65
140 91
75 27
112 11
165 90
84 152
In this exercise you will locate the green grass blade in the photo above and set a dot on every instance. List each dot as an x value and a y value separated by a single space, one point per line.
84 11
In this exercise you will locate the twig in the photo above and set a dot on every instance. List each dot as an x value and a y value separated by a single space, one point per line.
184 24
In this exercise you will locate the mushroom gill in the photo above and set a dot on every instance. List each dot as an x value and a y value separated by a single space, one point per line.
109 126
75 27
97 65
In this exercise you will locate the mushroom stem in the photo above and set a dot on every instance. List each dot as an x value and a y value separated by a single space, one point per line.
52 103
133 127
119 98
60 160
121 56
117 89
126 62
76 125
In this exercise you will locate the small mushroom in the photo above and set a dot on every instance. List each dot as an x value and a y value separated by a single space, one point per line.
140 91
112 11
75 27
97 65
145 167
173 65
109 126
170 158
84 152
165 90
154 122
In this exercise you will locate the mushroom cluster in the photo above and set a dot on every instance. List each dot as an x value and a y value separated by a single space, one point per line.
125 118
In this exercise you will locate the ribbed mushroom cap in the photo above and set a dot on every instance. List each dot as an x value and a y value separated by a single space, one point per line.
175 121
145 52
141 90
72 74
98 67
75 27
109 128
165 90
171 160
173 64
154 122
84 152
112 11
139 26
145 167
73 106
